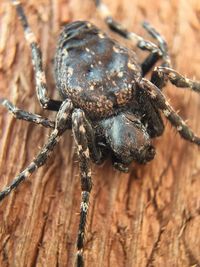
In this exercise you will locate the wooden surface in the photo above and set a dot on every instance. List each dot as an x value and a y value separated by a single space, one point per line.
149 217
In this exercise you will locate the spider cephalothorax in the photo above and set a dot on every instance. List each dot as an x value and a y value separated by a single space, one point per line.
105 99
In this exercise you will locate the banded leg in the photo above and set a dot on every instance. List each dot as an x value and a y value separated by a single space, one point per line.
161 43
154 57
79 132
121 30
149 62
25 115
40 78
45 152
157 52
161 74
95 152
161 103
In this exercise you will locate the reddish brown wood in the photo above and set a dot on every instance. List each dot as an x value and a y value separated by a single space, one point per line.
149 217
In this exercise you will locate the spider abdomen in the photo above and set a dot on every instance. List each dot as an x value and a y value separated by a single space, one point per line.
94 71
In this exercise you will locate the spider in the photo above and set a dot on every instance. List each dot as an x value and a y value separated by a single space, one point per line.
106 100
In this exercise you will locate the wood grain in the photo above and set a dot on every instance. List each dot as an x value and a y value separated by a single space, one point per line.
149 217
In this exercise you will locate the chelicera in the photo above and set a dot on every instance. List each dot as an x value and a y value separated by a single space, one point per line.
105 99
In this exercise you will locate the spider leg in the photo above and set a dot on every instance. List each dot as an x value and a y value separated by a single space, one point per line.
25 115
161 103
95 152
121 30
154 56
161 74
157 52
80 136
149 62
44 153
40 78
161 43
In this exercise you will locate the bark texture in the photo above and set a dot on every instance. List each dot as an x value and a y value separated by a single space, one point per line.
148 217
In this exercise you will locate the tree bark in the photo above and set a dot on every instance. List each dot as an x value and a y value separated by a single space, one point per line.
148 217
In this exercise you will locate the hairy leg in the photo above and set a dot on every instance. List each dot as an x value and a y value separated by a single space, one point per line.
25 115
40 78
44 153
161 103
80 136
95 152
161 74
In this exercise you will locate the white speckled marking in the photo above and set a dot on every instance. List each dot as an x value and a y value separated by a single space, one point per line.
152 94
80 148
172 75
70 71
116 49
120 74
84 207
65 52
27 173
101 35
30 37
131 66
86 153
179 128
89 25
166 112
134 38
